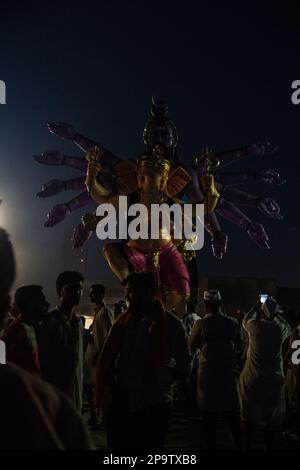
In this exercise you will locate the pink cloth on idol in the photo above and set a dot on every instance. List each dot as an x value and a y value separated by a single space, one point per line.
171 272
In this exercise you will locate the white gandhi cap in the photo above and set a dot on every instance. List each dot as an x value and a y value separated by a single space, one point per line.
212 296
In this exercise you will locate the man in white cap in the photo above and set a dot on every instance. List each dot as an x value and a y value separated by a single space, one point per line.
218 338
262 379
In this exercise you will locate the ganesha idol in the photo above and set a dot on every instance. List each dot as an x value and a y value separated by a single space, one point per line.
151 179
155 177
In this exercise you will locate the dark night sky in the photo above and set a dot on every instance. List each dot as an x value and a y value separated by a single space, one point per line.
226 72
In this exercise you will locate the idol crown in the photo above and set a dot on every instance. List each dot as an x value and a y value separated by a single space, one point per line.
155 161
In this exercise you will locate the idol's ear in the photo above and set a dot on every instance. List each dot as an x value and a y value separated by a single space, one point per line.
178 179
126 171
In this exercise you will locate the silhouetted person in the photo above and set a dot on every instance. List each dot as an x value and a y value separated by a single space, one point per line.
218 339
33 414
292 372
30 306
102 323
189 320
144 353
239 315
262 379
8 319
60 340
190 316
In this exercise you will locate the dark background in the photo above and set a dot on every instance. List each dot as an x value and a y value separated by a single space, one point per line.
226 71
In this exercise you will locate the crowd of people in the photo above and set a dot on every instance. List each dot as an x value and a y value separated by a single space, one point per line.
132 363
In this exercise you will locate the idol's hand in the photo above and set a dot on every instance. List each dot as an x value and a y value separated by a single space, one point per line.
257 233
57 214
51 188
51 157
80 236
94 167
89 221
269 176
62 129
261 148
269 206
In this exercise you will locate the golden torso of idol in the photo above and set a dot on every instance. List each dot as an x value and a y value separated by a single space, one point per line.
146 245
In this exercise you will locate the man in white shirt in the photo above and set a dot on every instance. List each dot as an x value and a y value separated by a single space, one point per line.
189 320
262 379
190 317
101 326
60 340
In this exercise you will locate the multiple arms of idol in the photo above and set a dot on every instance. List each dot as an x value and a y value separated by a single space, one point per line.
231 198
53 187
228 205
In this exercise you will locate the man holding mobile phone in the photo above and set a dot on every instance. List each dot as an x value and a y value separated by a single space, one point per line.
262 379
